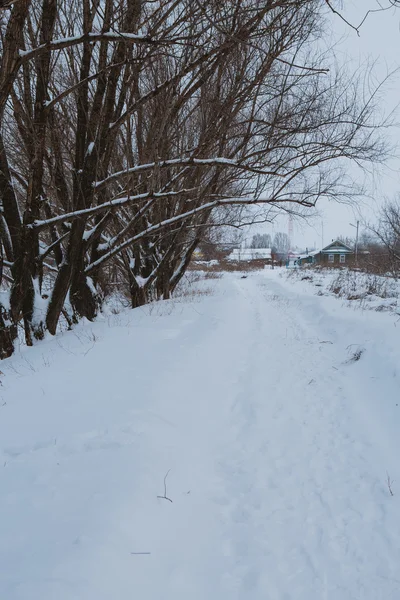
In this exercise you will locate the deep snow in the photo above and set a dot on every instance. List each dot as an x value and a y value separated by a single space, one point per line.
277 444
360 290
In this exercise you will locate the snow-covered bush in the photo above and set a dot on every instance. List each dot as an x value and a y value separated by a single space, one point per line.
370 291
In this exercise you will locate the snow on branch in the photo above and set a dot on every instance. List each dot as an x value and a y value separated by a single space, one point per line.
118 202
112 36
217 161
178 218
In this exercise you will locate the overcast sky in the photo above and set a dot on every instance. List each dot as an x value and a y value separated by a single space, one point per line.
379 43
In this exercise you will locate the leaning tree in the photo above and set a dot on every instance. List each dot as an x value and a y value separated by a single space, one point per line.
129 127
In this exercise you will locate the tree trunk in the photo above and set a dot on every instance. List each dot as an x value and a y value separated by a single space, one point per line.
84 299
8 333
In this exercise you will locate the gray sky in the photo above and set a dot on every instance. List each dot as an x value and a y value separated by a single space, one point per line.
378 43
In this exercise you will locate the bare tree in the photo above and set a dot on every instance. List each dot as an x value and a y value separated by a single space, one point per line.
387 232
348 241
381 6
281 243
130 128
261 240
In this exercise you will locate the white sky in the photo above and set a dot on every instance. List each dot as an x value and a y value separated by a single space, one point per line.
378 43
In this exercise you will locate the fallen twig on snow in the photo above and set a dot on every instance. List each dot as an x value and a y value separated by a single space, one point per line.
356 355
389 484
165 497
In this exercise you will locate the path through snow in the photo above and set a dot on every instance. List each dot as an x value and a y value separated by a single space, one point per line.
277 449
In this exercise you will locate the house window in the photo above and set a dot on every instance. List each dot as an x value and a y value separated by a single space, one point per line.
342 258
331 258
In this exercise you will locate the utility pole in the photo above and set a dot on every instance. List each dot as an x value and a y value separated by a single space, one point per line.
356 244
290 230
358 224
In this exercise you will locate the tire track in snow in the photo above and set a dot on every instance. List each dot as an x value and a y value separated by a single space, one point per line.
300 502
275 495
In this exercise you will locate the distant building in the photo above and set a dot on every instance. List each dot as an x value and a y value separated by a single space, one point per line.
304 258
250 254
335 254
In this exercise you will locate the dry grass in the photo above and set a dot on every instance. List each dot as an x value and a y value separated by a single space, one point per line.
354 355
367 291
227 266
352 285
193 294
192 288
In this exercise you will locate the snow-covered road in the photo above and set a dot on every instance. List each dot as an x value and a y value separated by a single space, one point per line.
275 444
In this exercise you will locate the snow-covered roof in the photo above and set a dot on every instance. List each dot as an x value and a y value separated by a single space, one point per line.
250 254
306 254
337 247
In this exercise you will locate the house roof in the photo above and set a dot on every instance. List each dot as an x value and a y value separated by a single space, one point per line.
250 254
307 254
337 247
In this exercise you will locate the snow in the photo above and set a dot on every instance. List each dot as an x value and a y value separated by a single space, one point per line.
304 254
244 254
166 163
141 281
276 441
355 288
117 202
40 304
206 263
77 39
